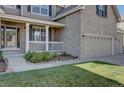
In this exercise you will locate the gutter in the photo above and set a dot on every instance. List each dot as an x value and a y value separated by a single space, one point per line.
118 15
69 12
30 20
120 32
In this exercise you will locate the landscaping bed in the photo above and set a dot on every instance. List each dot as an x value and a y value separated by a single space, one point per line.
3 66
41 57
63 58
3 63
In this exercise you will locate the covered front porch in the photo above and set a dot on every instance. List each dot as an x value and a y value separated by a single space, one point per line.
27 34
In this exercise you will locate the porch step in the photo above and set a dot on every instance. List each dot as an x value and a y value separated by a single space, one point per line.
13 53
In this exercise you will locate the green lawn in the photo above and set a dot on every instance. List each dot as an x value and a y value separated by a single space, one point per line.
110 71
83 74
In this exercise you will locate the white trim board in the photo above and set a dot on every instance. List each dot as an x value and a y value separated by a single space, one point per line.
30 20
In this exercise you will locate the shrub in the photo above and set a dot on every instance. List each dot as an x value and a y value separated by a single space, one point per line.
28 55
36 57
47 56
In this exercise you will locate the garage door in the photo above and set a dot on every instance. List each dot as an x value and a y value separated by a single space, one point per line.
97 46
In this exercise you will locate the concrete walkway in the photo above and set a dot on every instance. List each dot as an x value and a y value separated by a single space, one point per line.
18 63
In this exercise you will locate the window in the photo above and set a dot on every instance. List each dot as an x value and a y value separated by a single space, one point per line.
45 10
101 10
36 9
40 9
38 34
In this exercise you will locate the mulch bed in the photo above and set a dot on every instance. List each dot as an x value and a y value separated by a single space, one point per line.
58 58
63 58
3 66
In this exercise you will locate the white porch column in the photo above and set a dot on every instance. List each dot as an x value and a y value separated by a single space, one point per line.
27 37
113 46
47 37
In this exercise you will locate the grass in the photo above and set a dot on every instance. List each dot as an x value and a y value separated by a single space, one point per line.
76 75
114 72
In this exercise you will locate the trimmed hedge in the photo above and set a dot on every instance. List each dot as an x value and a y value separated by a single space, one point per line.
37 57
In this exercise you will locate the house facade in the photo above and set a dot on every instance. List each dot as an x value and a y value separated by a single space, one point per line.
82 31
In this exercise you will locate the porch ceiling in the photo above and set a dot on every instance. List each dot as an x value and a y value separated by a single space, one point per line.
30 20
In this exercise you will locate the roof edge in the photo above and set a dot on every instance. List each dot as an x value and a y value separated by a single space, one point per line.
31 20
117 13
68 12
118 17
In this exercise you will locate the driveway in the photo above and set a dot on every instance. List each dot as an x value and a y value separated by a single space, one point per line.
119 59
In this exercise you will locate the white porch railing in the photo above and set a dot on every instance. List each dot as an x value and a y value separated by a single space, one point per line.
37 46
56 46
41 46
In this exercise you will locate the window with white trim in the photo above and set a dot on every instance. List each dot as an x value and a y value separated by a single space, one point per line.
101 10
38 34
36 9
40 9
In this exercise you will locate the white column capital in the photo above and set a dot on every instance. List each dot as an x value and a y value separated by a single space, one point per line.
27 24
47 26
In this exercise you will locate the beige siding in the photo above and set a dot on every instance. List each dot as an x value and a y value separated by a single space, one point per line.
11 11
23 12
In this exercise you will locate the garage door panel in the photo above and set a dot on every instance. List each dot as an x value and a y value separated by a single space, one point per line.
97 46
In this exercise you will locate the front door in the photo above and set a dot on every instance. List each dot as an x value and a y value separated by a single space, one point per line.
11 37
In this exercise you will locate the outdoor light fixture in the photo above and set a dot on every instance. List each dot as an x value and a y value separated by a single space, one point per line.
83 36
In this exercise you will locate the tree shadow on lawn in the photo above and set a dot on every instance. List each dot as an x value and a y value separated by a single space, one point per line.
109 71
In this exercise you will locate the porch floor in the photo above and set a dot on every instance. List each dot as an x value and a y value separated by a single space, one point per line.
17 63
